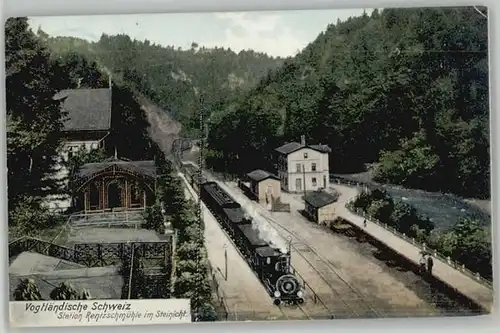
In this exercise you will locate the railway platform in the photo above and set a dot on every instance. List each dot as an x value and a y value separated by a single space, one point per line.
462 283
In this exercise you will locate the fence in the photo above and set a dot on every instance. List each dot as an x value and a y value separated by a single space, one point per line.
223 313
25 244
132 218
279 206
422 246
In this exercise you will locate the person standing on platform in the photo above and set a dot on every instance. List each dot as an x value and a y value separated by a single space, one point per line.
430 263
364 223
422 265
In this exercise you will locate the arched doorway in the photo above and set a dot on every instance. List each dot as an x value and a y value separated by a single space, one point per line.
94 197
114 195
136 195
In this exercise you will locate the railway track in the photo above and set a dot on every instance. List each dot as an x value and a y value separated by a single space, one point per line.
356 302
342 290
352 299
295 312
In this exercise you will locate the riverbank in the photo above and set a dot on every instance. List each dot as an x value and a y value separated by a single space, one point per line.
444 209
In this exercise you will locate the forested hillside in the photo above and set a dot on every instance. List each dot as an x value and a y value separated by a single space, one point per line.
406 89
172 78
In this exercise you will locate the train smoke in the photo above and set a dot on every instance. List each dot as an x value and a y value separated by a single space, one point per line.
264 229
266 232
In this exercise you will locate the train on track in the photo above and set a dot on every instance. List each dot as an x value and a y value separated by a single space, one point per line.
272 266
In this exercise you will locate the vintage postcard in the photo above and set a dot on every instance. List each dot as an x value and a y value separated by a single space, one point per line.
288 165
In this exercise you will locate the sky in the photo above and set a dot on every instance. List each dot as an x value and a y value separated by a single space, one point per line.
280 33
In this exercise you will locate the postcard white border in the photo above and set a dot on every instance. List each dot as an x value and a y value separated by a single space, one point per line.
87 7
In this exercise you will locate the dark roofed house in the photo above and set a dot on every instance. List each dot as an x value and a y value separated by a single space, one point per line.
88 118
87 124
289 148
320 205
87 109
260 175
264 185
321 148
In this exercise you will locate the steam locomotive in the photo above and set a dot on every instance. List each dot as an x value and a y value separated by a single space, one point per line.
272 266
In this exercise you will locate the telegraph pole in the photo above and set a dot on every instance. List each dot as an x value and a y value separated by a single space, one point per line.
200 162
225 262
304 176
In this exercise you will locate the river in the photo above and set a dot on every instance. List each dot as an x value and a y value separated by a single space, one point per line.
443 210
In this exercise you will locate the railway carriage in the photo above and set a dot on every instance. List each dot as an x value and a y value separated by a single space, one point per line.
234 217
248 241
272 267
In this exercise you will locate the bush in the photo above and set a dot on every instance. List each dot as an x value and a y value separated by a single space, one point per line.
85 295
206 312
64 291
189 266
404 216
191 251
380 210
153 218
362 201
28 218
191 275
27 291
191 234
191 285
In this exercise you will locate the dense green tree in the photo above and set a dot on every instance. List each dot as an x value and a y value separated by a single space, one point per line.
128 117
380 209
27 218
406 89
33 116
415 164
79 72
473 246
172 78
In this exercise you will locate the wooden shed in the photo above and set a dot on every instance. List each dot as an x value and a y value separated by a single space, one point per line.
320 206
264 185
